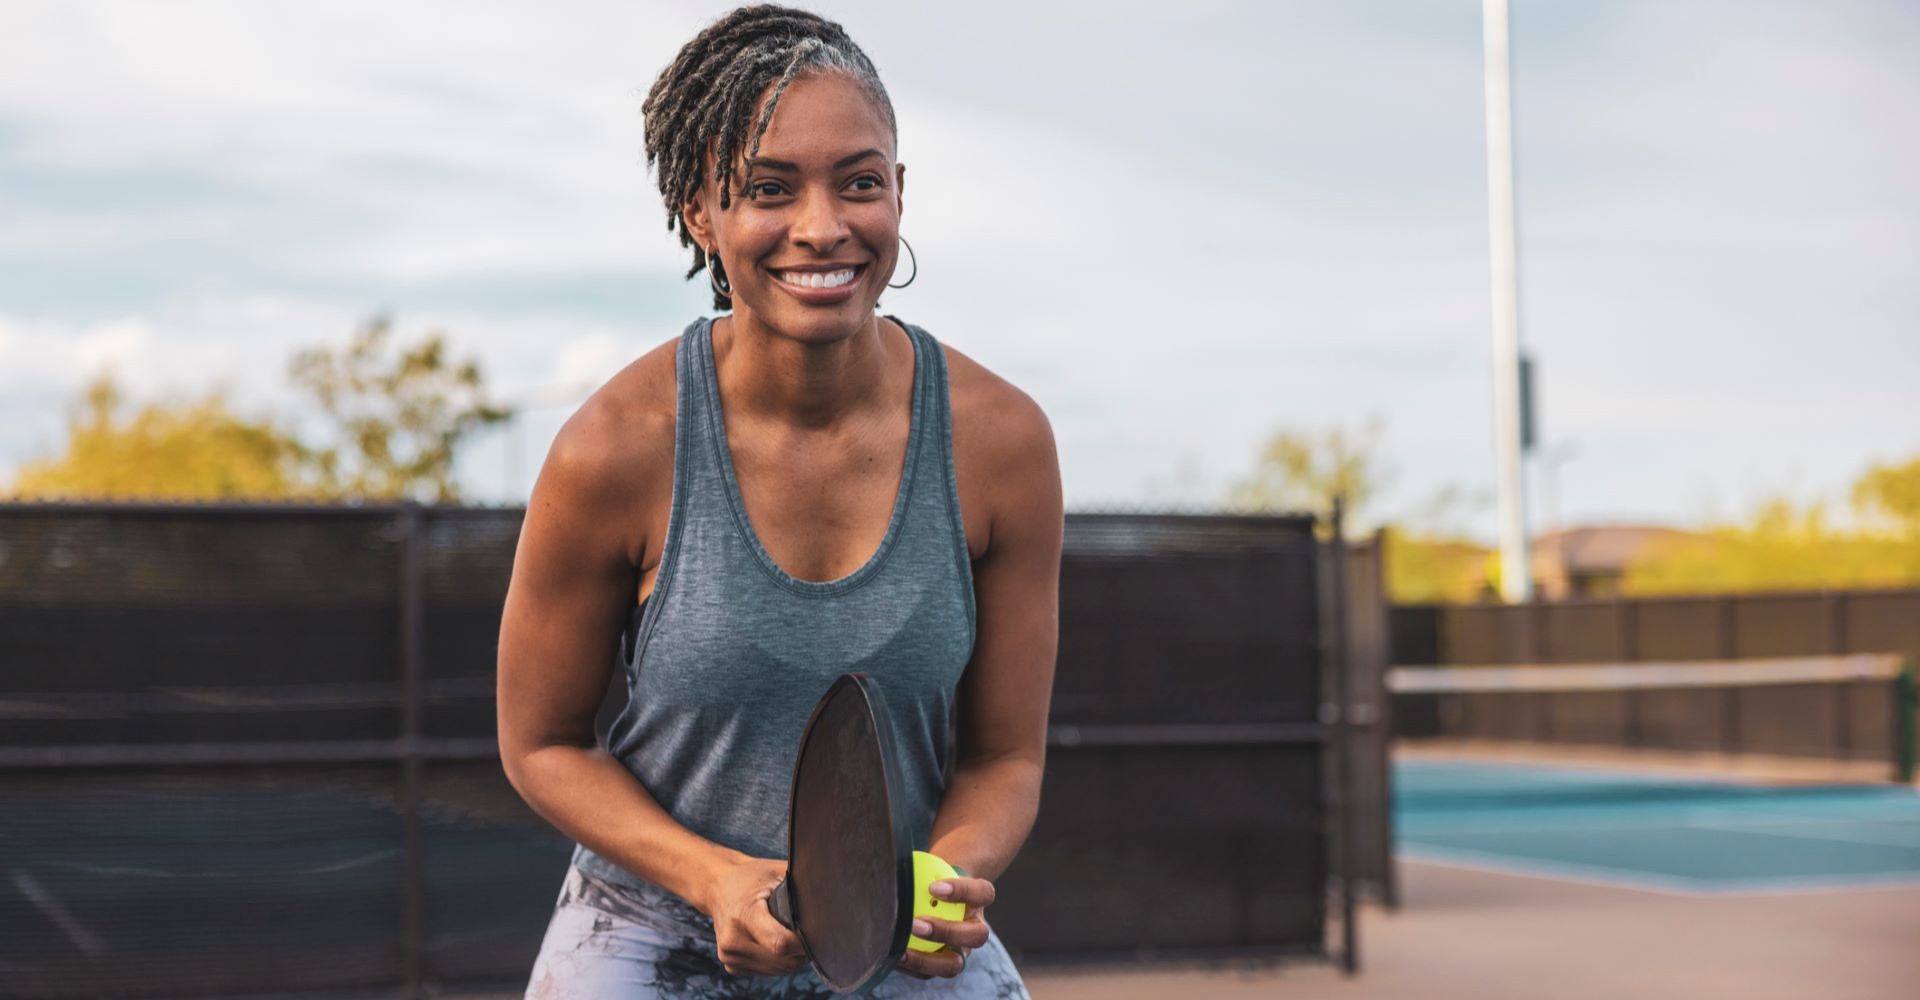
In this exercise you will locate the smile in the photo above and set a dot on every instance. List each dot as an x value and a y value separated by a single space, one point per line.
819 279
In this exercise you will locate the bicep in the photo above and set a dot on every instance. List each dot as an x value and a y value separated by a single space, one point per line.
569 594
1008 685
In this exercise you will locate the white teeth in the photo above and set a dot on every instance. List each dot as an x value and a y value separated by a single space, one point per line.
816 279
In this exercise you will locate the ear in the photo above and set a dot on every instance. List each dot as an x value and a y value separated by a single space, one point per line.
899 188
699 223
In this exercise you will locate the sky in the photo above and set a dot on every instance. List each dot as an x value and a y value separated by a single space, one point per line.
1180 227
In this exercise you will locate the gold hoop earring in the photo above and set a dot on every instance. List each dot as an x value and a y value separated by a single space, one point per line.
721 286
916 265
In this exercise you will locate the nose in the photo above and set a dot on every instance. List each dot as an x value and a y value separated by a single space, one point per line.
817 222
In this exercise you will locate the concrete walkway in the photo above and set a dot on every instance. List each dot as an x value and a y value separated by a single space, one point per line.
1471 934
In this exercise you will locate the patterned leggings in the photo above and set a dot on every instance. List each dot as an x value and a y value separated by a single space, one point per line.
614 942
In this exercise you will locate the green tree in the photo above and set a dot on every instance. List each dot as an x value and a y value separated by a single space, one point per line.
1890 494
193 450
1783 545
394 419
1428 556
1300 470
395 422
1427 569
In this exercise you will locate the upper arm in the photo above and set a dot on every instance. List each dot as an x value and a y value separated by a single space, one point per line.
571 589
1008 684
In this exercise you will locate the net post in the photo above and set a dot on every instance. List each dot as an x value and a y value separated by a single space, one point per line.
1905 704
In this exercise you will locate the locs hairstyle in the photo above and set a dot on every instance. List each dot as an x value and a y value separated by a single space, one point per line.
705 99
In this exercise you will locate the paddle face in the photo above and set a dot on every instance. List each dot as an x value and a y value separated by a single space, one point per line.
849 885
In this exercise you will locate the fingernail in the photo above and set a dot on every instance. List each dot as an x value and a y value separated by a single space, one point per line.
942 888
921 928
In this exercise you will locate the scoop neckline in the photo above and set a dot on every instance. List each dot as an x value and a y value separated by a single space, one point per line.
717 432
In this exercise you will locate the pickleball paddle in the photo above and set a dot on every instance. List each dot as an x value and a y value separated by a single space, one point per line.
854 880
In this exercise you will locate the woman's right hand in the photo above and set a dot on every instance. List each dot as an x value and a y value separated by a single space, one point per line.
750 941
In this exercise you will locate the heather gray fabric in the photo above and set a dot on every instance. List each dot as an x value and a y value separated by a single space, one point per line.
726 658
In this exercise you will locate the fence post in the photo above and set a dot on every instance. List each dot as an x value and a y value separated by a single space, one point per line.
1343 738
1628 621
1836 643
1383 721
1905 703
1724 625
412 892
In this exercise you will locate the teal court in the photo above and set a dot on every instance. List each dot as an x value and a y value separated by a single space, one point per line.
1655 831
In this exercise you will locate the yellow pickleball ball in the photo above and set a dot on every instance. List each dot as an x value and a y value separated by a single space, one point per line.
928 869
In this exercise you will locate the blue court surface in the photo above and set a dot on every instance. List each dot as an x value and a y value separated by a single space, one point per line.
1658 831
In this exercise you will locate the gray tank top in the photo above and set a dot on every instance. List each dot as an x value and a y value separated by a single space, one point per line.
727 656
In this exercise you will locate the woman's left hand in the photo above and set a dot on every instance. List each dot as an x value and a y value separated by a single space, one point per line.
959 936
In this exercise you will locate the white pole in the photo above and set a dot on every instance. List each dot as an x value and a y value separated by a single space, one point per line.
1516 582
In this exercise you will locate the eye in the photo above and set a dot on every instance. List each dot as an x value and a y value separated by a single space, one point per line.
766 189
871 182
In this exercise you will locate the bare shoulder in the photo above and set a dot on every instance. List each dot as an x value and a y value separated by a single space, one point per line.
1002 441
981 397
612 461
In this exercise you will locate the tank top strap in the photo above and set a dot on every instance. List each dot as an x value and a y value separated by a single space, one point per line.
939 489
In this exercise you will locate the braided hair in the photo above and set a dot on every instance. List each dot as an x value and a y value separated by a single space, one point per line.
704 101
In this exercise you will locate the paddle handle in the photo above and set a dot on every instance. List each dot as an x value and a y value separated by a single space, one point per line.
781 903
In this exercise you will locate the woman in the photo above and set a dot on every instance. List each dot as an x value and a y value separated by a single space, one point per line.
794 489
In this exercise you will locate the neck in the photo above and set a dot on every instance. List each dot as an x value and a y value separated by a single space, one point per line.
767 375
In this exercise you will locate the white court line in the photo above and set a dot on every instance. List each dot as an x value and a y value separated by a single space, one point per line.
1700 820
87 941
1554 871
326 869
1782 820
1619 878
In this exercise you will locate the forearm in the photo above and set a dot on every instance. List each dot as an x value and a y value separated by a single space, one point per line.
986 814
592 798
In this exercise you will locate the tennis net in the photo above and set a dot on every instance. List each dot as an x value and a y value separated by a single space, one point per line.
1853 707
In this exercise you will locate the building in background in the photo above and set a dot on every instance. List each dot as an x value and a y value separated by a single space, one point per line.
1591 561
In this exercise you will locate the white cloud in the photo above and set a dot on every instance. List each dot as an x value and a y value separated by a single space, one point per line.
1176 227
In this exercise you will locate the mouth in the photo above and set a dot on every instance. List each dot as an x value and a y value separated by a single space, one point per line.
812 282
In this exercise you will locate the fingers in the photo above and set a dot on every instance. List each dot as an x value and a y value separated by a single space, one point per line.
977 893
959 936
765 948
944 964
960 933
759 961
774 935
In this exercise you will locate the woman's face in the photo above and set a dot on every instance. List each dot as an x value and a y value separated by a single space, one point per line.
809 255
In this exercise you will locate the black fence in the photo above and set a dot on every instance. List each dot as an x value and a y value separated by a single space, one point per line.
250 750
1834 721
1357 678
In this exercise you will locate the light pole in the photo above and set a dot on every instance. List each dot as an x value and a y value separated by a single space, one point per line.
1516 581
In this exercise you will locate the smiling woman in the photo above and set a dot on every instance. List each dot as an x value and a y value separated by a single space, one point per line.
786 493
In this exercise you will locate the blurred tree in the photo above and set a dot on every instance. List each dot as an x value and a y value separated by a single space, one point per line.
1782 546
395 422
1890 494
1304 470
1424 569
1428 556
193 450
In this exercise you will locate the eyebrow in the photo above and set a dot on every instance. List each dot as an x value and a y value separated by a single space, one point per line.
762 163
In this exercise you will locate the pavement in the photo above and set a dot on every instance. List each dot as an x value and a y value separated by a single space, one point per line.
1528 880
1466 933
